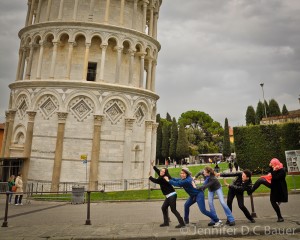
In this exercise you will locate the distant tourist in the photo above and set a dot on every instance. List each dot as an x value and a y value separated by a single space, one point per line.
230 166
236 166
217 168
19 190
11 184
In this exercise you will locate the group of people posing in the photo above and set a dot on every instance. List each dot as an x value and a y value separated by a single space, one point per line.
15 186
275 180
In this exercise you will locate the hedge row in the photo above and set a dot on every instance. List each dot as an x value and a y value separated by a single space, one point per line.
256 145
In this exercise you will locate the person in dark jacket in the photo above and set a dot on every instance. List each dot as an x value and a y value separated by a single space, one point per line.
279 191
170 195
214 186
236 189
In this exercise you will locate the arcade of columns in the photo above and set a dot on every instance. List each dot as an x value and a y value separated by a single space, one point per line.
134 46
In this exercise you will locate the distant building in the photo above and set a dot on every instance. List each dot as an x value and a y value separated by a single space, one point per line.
293 116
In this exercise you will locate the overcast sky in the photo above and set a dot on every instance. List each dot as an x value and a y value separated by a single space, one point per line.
214 55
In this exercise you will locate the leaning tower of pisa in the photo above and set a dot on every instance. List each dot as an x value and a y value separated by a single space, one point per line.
85 87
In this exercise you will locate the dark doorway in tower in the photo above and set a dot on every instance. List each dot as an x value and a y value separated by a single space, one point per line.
92 71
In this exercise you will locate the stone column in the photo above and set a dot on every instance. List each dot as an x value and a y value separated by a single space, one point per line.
31 13
60 11
91 13
122 13
153 143
128 148
38 15
135 3
48 10
28 13
145 2
86 61
19 64
106 17
39 66
149 73
11 116
69 61
94 166
29 64
103 58
75 10
5 133
53 61
147 148
118 65
155 25
142 67
153 76
62 116
131 63
28 144
21 73
150 32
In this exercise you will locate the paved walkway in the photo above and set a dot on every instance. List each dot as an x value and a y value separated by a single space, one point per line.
140 220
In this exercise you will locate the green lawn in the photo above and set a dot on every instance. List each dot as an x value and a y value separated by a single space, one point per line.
155 194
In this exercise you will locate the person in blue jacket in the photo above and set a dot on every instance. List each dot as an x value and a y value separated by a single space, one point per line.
187 183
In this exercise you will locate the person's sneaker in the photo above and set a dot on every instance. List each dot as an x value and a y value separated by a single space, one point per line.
17 204
218 224
227 222
20 203
164 225
211 224
232 223
180 225
280 220
252 220
186 221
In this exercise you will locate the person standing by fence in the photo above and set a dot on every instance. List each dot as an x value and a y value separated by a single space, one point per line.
11 183
19 190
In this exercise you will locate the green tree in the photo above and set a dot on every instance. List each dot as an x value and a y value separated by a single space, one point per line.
168 117
260 112
250 116
226 140
159 138
284 111
165 140
182 149
174 139
274 109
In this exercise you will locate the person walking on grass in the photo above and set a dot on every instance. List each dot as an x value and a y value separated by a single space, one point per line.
187 183
214 186
241 184
170 194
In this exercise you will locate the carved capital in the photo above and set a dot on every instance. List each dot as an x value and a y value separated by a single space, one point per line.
98 120
148 124
62 116
31 115
129 123
154 127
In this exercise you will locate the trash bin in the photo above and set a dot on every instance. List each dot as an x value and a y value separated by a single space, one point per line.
77 194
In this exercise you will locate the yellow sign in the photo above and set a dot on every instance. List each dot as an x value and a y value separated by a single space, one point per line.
83 157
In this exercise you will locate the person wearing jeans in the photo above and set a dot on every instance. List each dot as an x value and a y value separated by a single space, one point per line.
214 186
196 196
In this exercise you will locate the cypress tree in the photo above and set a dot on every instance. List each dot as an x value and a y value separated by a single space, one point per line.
284 111
266 105
174 138
274 109
226 140
250 116
165 141
182 149
260 112
168 117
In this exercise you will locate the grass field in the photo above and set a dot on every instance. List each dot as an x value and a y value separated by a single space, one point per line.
292 182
